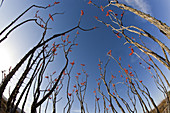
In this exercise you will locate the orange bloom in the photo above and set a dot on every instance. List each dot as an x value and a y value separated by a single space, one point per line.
74 86
109 105
76 91
82 84
78 73
130 54
72 63
94 27
109 53
101 7
51 17
56 79
82 64
49 5
126 71
76 44
149 67
121 75
113 85
115 14
54 72
107 14
97 99
56 2
149 59
82 13
122 13
46 77
90 2
119 58
96 17
42 25
113 93
132 50
140 81
69 94
110 11
77 32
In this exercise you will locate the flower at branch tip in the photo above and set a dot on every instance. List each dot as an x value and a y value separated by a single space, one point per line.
67 36
97 99
82 84
110 11
76 44
69 94
132 50
82 13
72 63
74 86
78 73
115 14
109 53
82 64
119 58
149 67
96 17
54 72
149 59
140 63
51 17
113 93
48 89
94 27
130 46
77 32
130 54
49 5
56 87
56 79
42 25
56 2
121 75
113 85
107 14
76 91
109 105
46 77
89 2
101 7
122 13
140 81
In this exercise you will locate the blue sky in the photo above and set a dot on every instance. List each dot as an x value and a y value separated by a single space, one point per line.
92 44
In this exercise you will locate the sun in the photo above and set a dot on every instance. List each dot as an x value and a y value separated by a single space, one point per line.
5 60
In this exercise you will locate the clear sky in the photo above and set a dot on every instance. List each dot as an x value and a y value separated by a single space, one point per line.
92 45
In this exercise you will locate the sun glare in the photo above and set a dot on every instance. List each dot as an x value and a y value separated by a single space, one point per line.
5 59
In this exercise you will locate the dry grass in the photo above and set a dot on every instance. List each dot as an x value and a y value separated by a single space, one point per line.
3 104
162 106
